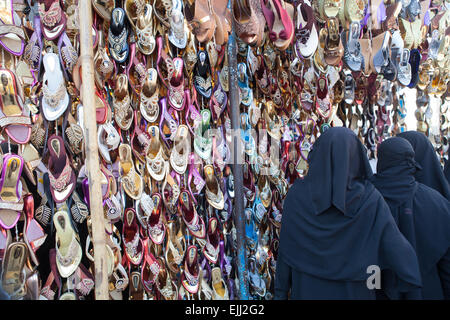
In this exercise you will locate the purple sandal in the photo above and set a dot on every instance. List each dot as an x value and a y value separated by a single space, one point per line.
167 122
61 174
67 54
11 33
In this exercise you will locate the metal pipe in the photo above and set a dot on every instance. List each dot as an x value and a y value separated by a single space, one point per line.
238 212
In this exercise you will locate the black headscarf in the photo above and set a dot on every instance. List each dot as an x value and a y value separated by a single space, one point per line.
334 221
431 174
421 213
396 168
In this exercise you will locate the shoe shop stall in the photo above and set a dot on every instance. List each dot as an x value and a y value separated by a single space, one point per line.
147 145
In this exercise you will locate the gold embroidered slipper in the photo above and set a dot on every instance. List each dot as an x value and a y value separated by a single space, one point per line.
132 182
68 249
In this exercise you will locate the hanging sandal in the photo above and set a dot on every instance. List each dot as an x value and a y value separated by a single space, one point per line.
12 35
123 111
55 99
190 276
211 249
61 174
13 270
135 288
202 75
404 68
354 10
222 15
133 245
14 117
145 31
53 19
150 96
118 35
178 32
108 140
334 49
176 96
131 181
181 150
104 8
203 137
170 197
200 20
67 55
34 235
191 218
165 285
103 64
220 289
306 31
156 165
68 249
249 21
134 9
11 203
156 227
214 194
353 57
380 51
331 7
175 248
282 30
246 93
32 52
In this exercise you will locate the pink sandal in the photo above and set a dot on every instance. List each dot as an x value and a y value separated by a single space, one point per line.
176 85
53 18
62 177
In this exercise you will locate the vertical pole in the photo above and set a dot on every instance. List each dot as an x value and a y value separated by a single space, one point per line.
91 148
238 214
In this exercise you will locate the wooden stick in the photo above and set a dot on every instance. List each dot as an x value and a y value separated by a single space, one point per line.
91 148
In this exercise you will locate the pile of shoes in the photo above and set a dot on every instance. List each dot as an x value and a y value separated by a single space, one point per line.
165 137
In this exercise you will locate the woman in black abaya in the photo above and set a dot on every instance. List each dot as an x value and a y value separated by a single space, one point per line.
421 213
431 174
336 225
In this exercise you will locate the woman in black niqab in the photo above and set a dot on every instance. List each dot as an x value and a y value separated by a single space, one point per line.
422 215
431 174
336 225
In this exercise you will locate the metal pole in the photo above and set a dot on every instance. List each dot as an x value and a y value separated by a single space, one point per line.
238 213
91 149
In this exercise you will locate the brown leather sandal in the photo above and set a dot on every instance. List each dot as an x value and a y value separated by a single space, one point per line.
200 19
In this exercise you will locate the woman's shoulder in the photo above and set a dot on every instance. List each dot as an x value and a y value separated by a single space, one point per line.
431 199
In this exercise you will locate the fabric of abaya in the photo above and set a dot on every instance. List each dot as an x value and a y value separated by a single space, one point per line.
335 225
447 170
431 174
421 213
